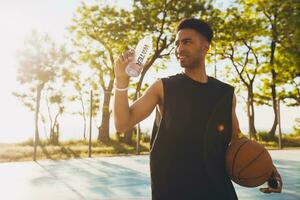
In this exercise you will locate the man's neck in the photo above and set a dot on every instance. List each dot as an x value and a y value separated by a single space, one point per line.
197 73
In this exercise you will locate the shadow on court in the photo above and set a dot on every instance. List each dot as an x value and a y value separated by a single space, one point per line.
116 178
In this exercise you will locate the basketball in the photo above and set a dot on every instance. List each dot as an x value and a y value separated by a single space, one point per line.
248 163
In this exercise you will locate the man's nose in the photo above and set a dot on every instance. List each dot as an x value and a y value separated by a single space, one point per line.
179 48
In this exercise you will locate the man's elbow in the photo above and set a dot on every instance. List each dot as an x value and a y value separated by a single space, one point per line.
235 135
121 127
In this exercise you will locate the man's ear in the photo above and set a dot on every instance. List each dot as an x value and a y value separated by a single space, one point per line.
206 46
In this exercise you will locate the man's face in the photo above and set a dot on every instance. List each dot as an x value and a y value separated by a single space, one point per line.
191 48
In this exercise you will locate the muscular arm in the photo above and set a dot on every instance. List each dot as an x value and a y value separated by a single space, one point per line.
127 116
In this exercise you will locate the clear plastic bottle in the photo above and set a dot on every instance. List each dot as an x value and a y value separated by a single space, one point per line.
142 51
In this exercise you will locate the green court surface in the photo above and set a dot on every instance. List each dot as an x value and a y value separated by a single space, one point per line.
115 178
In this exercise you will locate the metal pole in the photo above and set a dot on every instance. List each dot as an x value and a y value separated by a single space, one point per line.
90 136
279 123
215 61
138 139
34 146
138 134
36 134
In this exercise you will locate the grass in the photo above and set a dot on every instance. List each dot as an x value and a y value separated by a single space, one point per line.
289 141
67 150
79 148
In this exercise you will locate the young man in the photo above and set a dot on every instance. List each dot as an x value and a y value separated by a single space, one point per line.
195 122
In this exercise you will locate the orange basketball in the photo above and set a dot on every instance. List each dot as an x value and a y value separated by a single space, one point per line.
248 163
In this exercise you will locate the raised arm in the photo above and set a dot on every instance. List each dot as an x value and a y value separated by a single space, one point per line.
127 116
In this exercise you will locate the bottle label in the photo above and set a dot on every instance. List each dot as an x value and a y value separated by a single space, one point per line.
142 55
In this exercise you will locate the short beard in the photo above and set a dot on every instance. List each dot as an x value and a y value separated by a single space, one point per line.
191 65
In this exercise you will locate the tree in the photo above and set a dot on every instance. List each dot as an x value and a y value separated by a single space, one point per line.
276 16
99 35
289 77
38 65
289 54
56 99
297 126
239 42
81 94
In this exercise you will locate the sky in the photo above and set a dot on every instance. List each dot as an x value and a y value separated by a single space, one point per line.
18 18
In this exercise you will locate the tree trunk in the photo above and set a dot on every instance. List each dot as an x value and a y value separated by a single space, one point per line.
84 128
273 90
128 135
54 129
50 119
275 122
37 110
103 134
83 116
36 118
250 113
57 134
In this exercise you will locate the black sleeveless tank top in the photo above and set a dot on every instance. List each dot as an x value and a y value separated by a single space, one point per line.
189 141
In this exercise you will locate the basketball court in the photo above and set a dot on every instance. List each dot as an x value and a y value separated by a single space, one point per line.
116 178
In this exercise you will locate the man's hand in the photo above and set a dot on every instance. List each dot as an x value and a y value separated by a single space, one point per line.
274 183
121 63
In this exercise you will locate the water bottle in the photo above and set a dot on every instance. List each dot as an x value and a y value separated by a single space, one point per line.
142 51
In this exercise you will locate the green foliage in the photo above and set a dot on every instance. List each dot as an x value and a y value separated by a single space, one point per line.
99 35
288 140
243 34
281 21
297 128
97 32
39 63
145 138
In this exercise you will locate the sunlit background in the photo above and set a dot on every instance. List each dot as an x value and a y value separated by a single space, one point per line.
18 18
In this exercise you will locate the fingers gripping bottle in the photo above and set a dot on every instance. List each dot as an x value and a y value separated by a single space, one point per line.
142 51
